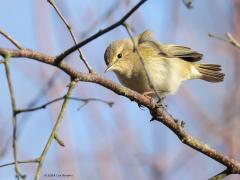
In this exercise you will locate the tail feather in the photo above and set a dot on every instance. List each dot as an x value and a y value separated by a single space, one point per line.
214 67
210 72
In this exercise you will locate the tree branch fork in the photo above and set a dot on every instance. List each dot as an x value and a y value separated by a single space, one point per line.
158 113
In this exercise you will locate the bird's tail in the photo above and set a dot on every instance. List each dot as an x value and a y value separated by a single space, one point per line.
210 72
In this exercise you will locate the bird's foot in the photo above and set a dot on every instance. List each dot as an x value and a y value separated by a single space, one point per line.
161 103
149 97
158 103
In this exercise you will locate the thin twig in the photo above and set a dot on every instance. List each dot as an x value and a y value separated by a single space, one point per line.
141 60
55 129
160 114
21 162
84 100
69 27
99 33
13 41
221 175
59 141
232 40
14 118
217 37
229 39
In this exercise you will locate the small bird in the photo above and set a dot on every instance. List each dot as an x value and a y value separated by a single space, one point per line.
166 65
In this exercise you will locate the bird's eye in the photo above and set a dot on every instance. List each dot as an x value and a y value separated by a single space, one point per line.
119 55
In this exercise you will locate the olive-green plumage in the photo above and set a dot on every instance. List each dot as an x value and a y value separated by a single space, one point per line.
167 65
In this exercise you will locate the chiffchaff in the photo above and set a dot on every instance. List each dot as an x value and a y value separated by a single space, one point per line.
167 65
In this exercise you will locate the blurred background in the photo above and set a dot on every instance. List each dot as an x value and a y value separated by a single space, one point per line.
118 142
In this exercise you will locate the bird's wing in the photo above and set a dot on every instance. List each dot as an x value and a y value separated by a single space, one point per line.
182 52
172 51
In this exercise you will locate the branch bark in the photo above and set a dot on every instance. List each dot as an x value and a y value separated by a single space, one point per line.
14 117
99 33
158 113
55 129
69 27
13 41
43 106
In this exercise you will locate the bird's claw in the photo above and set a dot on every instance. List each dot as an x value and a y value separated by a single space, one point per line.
160 102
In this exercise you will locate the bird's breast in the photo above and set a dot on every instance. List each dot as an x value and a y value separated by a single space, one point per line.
137 82
165 75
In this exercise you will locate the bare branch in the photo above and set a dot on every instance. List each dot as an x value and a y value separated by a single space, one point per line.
21 162
232 40
14 118
84 100
99 33
55 129
69 27
221 175
229 39
13 41
159 114
59 141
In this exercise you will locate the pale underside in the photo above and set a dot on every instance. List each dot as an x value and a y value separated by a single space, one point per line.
165 75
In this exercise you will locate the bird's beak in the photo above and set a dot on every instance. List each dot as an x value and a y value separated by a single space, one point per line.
108 68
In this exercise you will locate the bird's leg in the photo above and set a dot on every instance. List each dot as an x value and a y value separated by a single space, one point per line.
160 101
146 94
150 96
